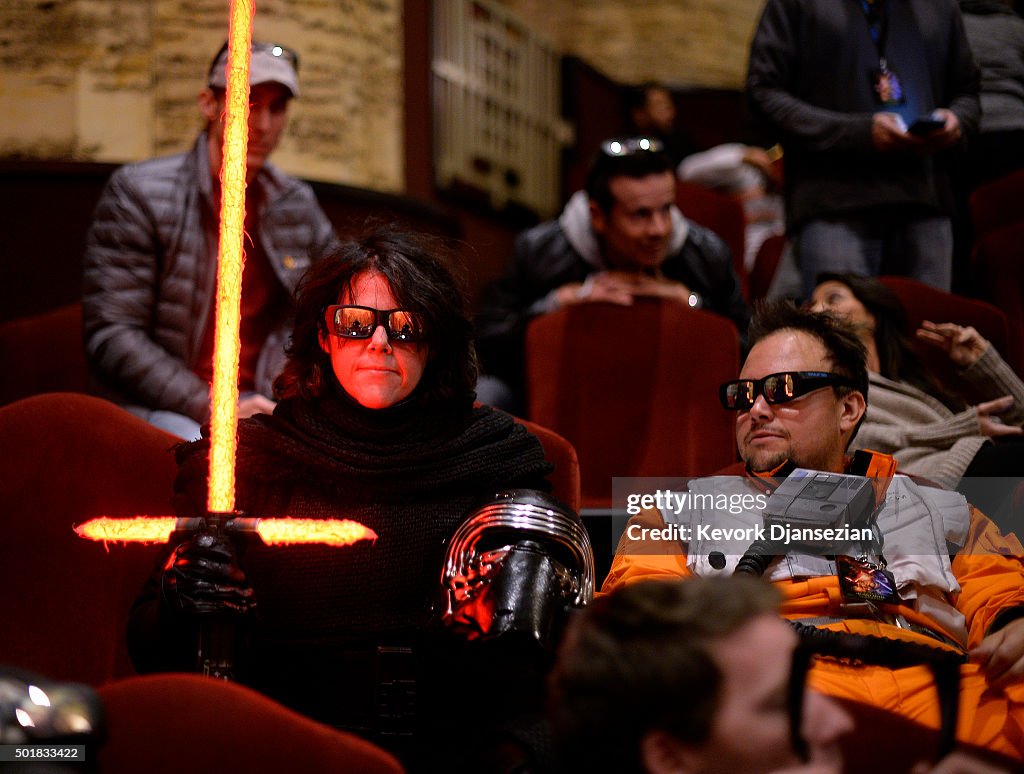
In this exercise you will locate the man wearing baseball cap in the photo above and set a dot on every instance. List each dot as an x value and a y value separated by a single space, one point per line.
273 82
150 261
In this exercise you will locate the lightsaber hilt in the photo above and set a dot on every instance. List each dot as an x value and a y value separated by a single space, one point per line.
216 648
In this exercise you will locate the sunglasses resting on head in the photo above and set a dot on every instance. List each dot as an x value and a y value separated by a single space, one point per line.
740 395
359 322
628 146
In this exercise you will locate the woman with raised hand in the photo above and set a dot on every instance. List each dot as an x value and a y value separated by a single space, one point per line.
928 426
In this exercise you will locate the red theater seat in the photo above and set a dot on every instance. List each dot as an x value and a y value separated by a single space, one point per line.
565 478
42 353
722 214
997 204
923 302
999 270
769 255
633 389
174 723
66 458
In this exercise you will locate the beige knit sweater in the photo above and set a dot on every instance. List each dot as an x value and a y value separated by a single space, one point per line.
927 438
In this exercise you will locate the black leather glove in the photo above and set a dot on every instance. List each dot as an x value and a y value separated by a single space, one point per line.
202 576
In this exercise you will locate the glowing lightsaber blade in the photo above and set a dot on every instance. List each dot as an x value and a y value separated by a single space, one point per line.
273 532
226 343
217 637
227 315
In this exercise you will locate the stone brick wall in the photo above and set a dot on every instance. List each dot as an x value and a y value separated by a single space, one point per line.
116 80
680 42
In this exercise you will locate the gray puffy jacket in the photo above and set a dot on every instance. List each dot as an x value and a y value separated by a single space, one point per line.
149 275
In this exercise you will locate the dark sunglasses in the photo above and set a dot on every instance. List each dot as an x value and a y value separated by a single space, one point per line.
777 388
628 146
359 322
276 49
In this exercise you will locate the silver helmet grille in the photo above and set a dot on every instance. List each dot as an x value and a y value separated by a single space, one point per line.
481 542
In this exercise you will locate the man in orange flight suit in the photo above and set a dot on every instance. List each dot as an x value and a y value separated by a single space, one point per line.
804 415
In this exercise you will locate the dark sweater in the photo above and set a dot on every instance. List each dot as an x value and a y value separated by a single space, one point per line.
410 474
810 88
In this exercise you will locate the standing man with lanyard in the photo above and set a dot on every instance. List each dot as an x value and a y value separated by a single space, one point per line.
865 97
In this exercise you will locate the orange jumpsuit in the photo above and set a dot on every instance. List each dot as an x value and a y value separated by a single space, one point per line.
990 572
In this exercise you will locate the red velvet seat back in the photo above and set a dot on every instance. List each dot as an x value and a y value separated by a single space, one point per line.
923 302
999 274
634 389
43 353
997 204
65 458
769 256
722 214
173 723
565 478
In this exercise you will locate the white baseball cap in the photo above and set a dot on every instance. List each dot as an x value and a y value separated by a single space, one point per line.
270 63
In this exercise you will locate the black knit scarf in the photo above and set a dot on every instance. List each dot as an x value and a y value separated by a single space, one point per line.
391 455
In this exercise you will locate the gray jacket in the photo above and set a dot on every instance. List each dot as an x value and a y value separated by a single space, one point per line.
997 40
923 434
149 275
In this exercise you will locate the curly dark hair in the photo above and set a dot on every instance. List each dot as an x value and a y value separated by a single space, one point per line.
421 272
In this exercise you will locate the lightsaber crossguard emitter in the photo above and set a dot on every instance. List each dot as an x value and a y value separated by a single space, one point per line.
215 651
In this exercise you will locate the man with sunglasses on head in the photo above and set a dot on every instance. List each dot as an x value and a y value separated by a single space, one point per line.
151 260
942 576
620 239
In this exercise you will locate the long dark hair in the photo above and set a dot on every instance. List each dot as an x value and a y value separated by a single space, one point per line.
897 355
420 270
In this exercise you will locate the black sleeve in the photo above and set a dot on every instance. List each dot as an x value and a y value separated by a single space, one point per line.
501 321
542 261
158 639
773 73
705 265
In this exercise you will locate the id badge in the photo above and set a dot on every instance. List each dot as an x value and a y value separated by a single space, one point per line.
887 88
865 582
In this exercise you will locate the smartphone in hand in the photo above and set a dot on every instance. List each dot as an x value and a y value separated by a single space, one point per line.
925 125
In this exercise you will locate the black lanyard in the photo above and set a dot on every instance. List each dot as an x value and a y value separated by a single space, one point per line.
877 16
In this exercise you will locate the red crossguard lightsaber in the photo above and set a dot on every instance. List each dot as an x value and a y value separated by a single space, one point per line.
221 516
273 532
224 395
